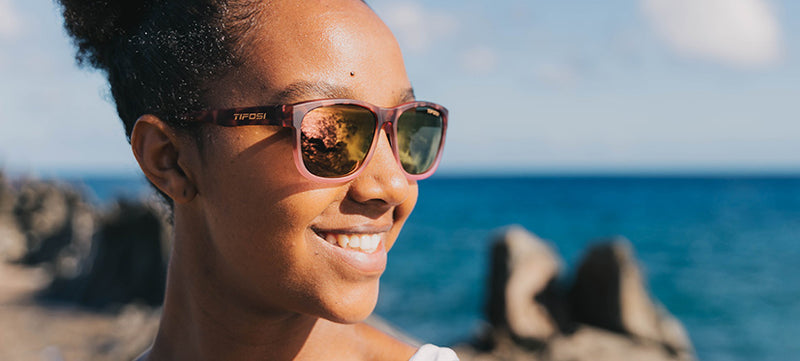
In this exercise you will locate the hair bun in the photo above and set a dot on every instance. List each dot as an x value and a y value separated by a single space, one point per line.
95 24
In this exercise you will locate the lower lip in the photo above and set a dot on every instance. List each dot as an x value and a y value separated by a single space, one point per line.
369 264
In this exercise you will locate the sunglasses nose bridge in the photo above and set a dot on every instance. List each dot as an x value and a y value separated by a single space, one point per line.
386 116
386 120
389 127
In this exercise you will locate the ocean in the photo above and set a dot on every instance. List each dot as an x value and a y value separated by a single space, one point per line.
720 253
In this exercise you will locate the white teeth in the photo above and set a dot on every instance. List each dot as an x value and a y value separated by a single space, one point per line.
370 242
331 239
363 242
344 240
355 241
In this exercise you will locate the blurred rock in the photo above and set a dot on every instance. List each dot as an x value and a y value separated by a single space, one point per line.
503 347
55 220
127 262
610 293
523 299
607 314
589 343
12 240
54 246
95 260
7 196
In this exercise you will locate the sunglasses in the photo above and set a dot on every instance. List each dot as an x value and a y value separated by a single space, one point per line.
335 138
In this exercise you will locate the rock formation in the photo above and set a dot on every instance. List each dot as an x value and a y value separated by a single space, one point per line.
606 314
12 240
56 222
522 289
96 258
609 293
127 264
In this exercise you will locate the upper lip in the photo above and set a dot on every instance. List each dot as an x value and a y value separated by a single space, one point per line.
361 229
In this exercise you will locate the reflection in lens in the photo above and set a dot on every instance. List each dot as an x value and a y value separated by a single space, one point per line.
335 139
419 134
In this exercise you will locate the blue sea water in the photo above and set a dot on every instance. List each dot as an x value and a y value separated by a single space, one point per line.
721 253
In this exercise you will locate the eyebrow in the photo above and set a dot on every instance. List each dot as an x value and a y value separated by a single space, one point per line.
407 95
304 90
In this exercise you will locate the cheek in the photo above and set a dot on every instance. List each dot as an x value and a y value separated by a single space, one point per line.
246 168
254 204
256 200
263 252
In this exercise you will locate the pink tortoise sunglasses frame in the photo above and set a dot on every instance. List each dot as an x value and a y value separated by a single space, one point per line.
291 116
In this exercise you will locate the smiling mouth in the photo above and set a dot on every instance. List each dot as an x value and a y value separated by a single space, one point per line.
361 242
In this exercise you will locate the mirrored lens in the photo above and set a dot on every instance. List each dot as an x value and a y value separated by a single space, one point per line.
335 139
419 134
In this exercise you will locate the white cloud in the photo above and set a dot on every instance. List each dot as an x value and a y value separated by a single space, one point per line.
417 28
741 33
479 60
9 20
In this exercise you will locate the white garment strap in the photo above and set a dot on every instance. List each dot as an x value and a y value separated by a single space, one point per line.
434 353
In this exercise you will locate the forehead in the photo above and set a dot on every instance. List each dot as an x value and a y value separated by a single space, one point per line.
339 42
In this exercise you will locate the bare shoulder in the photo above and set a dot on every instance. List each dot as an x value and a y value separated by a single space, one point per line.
379 345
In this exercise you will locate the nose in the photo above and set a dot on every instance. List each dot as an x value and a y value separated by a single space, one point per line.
382 181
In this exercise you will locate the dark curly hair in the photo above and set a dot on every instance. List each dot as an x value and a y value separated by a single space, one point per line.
159 55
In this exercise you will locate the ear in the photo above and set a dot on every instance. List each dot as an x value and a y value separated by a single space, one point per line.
158 150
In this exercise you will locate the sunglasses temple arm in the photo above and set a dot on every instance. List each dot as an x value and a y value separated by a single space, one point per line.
279 115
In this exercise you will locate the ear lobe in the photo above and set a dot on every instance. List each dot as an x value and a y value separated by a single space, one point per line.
157 149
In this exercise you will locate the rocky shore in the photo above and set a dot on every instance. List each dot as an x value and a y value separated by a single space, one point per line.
77 282
82 283
605 313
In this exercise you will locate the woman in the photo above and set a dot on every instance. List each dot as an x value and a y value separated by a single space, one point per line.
284 206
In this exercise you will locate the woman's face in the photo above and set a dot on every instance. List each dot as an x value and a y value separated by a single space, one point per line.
264 228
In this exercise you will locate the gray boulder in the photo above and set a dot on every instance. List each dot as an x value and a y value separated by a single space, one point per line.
12 240
56 222
610 293
595 344
127 262
607 313
523 297
7 196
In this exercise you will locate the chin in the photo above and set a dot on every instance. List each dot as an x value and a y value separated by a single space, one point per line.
354 307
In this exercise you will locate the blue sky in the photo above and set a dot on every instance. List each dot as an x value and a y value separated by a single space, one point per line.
533 86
